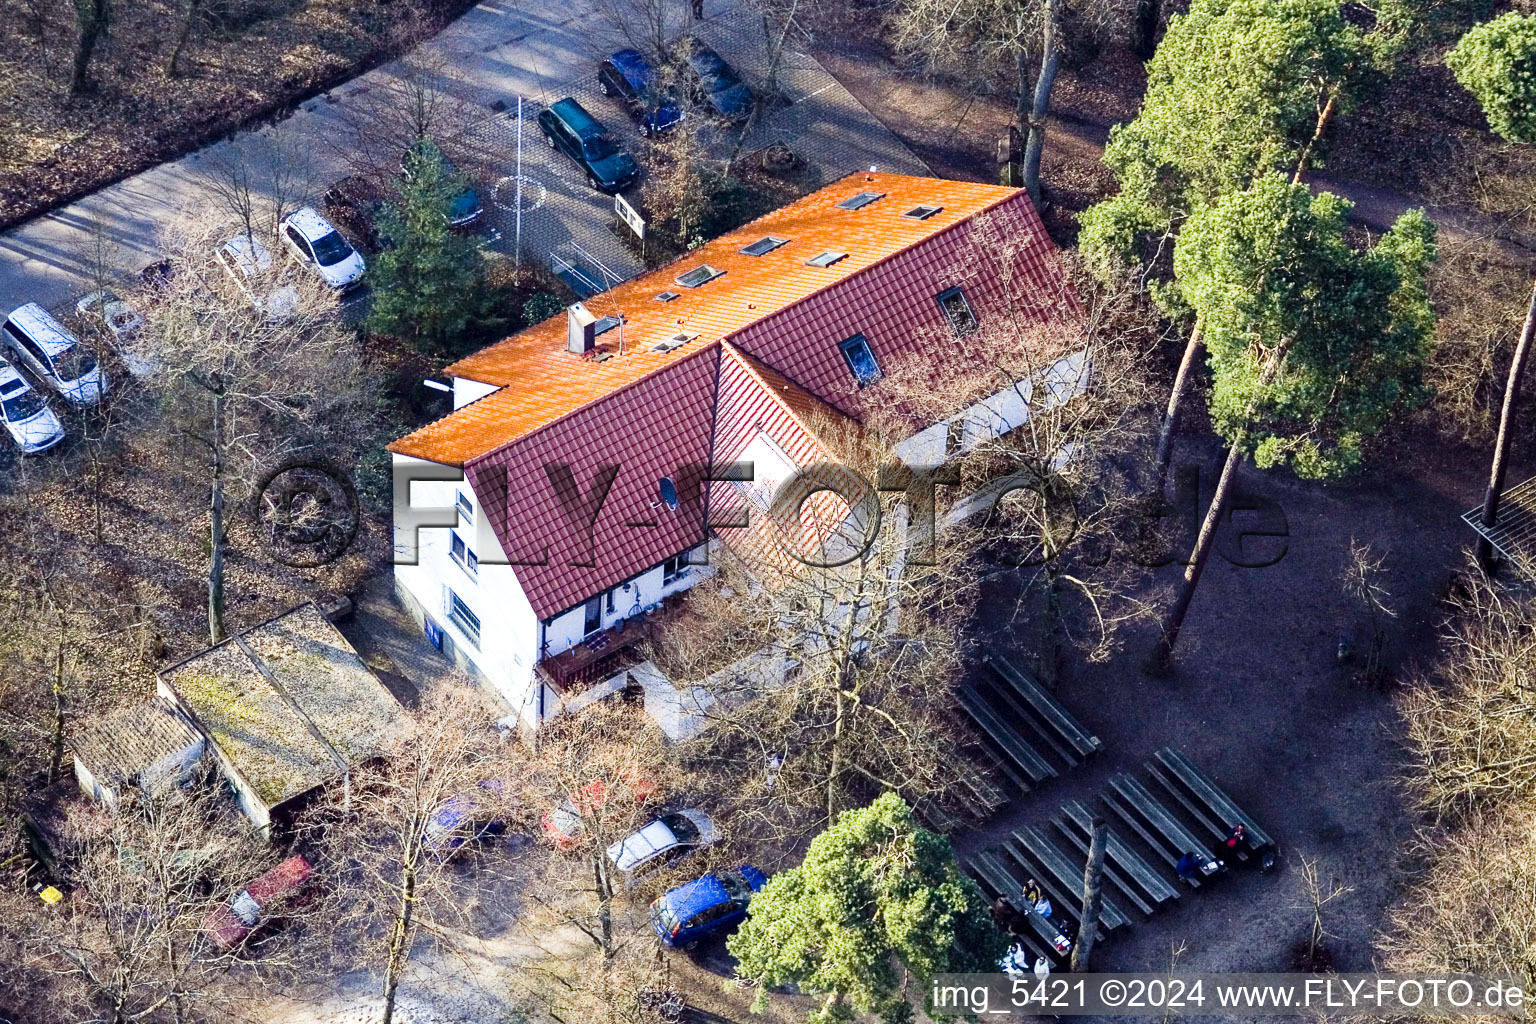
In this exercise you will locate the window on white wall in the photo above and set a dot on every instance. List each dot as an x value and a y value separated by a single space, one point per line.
460 615
466 507
673 568
460 553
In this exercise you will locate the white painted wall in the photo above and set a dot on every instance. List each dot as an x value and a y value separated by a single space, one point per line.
507 648
630 598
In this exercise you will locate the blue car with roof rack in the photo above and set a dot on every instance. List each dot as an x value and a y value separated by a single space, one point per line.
705 907
629 77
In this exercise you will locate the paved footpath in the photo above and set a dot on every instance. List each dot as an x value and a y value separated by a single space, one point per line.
498 51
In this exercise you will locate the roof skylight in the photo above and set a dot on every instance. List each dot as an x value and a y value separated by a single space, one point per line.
826 259
922 211
698 275
763 246
860 201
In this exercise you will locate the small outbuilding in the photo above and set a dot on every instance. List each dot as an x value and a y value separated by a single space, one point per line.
150 747
287 706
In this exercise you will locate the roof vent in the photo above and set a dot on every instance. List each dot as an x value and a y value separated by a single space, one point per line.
607 323
860 201
580 335
702 274
826 259
675 341
922 212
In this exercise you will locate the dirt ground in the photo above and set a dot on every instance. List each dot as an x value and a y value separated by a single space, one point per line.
243 61
1261 702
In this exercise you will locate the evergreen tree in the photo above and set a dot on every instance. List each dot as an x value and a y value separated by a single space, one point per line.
429 283
1315 345
1496 62
1237 88
875 894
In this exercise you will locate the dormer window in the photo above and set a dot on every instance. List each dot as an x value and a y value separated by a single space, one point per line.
763 246
860 201
825 259
957 311
698 276
861 361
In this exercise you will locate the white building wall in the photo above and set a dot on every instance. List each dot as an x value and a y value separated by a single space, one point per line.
629 599
506 648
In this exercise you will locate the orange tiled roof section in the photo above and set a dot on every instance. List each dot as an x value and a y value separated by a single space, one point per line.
541 382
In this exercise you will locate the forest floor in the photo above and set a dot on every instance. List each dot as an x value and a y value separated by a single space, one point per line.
243 61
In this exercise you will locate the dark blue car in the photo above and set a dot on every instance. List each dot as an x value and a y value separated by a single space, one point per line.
706 907
628 76
716 83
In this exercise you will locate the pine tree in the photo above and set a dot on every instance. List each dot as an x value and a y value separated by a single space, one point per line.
429 283
1315 345
1496 62
874 895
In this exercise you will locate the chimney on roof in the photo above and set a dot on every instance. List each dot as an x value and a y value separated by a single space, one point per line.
580 334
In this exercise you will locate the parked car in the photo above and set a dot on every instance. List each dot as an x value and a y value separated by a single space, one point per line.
464 818
706 907
249 265
715 82
570 129
465 208
123 324
629 77
29 421
258 904
45 348
666 840
562 823
320 247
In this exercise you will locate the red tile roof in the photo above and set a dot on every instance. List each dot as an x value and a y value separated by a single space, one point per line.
540 381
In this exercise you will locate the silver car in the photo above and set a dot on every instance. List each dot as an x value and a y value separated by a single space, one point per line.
321 248
668 839
47 349
27 417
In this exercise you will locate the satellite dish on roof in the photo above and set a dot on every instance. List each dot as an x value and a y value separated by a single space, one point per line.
668 492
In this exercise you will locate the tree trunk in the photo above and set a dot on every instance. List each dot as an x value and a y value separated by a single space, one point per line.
399 941
1050 627
1050 61
56 758
1171 414
604 902
92 17
216 528
1495 490
1093 895
834 760
1162 655
1149 14
173 63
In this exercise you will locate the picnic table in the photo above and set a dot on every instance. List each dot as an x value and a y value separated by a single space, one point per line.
1007 738
1044 705
1141 812
996 880
1067 878
1180 776
1131 874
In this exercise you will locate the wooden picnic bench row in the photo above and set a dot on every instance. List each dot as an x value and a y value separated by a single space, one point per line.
1057 875
996 880
1046 708
1123 866
1190 786
1031 767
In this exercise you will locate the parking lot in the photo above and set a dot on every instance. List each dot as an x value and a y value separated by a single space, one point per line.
496 52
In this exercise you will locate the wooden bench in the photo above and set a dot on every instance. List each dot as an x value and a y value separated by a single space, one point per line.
1131 873
1003 696
1007 738
996 880
1044 705
1131 802
1067 876
1198 784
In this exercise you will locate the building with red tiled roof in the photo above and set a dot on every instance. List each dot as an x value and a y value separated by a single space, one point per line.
582 440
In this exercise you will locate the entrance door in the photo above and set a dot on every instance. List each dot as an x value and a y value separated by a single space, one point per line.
594 612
